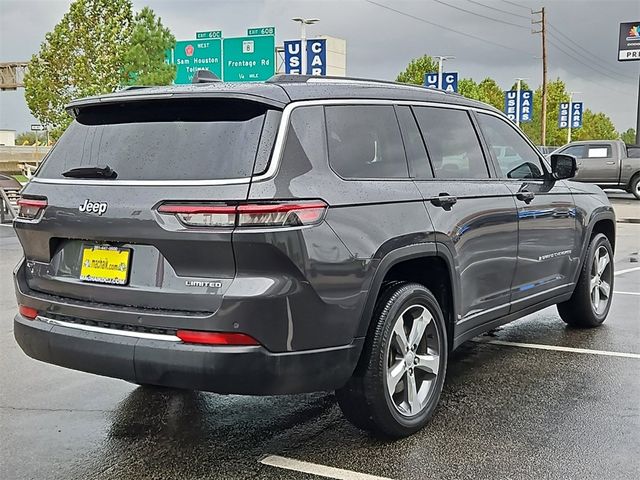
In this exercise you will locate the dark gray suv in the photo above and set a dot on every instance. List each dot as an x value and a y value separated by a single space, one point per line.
299 235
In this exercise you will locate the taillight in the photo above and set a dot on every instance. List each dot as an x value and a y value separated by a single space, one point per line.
30 208
202 215
215 338
281 214
28 312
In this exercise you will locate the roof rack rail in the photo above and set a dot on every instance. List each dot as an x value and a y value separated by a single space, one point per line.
134 87
284 78
205 76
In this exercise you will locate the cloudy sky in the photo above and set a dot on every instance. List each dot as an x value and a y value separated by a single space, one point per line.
487 37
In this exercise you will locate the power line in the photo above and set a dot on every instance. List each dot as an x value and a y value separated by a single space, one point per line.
516 5
591 54
465 34
499 10
600 69
587 79
480 15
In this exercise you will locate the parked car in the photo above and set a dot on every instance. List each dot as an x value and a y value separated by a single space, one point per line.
303 234
607 163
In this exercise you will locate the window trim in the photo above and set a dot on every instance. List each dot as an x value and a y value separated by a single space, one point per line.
494 159
278 148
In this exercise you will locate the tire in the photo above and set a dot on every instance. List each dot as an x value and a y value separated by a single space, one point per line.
634 186
401 312
587 308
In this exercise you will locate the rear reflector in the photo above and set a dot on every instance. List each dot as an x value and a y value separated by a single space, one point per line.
28 312
30 208
285 214
215 338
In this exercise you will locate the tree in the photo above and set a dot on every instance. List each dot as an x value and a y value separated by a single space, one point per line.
143 61
595 126
97 47
414 73
490 92
468 88
629 137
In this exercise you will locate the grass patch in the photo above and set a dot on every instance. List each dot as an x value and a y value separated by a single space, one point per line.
21 178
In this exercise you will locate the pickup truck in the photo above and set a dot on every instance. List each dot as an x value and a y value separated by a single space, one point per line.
606 163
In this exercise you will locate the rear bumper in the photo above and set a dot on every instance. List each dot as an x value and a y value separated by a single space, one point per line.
227 369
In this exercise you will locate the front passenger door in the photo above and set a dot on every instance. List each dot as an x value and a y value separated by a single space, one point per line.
548 253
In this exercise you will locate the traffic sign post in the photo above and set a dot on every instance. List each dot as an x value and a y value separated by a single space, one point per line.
192 55
316 57
249 59
36 127
449 81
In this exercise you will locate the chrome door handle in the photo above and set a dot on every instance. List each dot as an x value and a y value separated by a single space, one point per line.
525 196
611 163
444 200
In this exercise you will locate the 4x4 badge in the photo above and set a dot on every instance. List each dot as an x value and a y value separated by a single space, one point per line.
93 207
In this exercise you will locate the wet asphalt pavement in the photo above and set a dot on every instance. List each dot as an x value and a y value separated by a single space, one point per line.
506 412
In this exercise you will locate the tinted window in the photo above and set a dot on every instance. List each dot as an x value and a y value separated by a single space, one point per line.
164 140
413 144
516 158
575 150
364 142
633 152
452 143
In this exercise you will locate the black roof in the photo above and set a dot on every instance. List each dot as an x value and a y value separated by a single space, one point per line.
280 90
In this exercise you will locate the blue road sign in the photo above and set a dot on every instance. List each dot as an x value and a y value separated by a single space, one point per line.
316 56
525 102
570 114
449 81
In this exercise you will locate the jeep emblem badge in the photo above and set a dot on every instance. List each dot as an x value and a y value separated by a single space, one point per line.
93 207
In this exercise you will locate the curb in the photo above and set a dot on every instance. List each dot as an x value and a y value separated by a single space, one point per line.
628 220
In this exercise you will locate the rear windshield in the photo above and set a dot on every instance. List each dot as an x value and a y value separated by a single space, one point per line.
195 139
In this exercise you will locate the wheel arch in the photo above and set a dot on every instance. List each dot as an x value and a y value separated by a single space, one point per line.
428 264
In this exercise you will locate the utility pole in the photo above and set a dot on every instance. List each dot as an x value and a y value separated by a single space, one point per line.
543 32
441 59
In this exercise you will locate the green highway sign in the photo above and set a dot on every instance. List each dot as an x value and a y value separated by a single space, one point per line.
190 56
261 31
249 59
208 35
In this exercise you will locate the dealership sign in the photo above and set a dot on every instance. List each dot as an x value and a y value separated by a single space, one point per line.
449 81
629 42
316 57
519 108
570 115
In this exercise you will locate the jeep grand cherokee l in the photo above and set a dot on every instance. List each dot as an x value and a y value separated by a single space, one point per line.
299 235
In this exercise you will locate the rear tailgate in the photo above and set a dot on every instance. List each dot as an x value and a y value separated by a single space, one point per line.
162 151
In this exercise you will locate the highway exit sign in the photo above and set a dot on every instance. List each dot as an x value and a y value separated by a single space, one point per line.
189 56
261 31
249 59
208 35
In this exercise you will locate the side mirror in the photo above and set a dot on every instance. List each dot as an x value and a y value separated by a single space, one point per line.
563 166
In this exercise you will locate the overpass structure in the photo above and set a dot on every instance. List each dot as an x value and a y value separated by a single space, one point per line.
12 75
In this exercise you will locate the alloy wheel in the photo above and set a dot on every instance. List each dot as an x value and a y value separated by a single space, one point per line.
600 280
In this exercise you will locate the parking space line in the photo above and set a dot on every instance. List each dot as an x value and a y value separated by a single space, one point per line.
620 272
316 469
561 349
626 293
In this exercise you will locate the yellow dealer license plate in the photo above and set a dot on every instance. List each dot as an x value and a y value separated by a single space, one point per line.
105 264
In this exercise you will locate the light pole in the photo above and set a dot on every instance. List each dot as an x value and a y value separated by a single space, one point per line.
571 94
441 59
303 40
518 89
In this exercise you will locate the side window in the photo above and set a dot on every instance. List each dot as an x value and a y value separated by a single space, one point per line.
599 151
575 150
365 142
305 144
516 158
413 144
452 143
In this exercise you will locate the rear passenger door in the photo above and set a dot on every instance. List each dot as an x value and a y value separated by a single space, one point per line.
598 164
473 214
547 250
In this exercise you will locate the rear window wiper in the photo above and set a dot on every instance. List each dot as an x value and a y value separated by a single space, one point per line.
93 171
